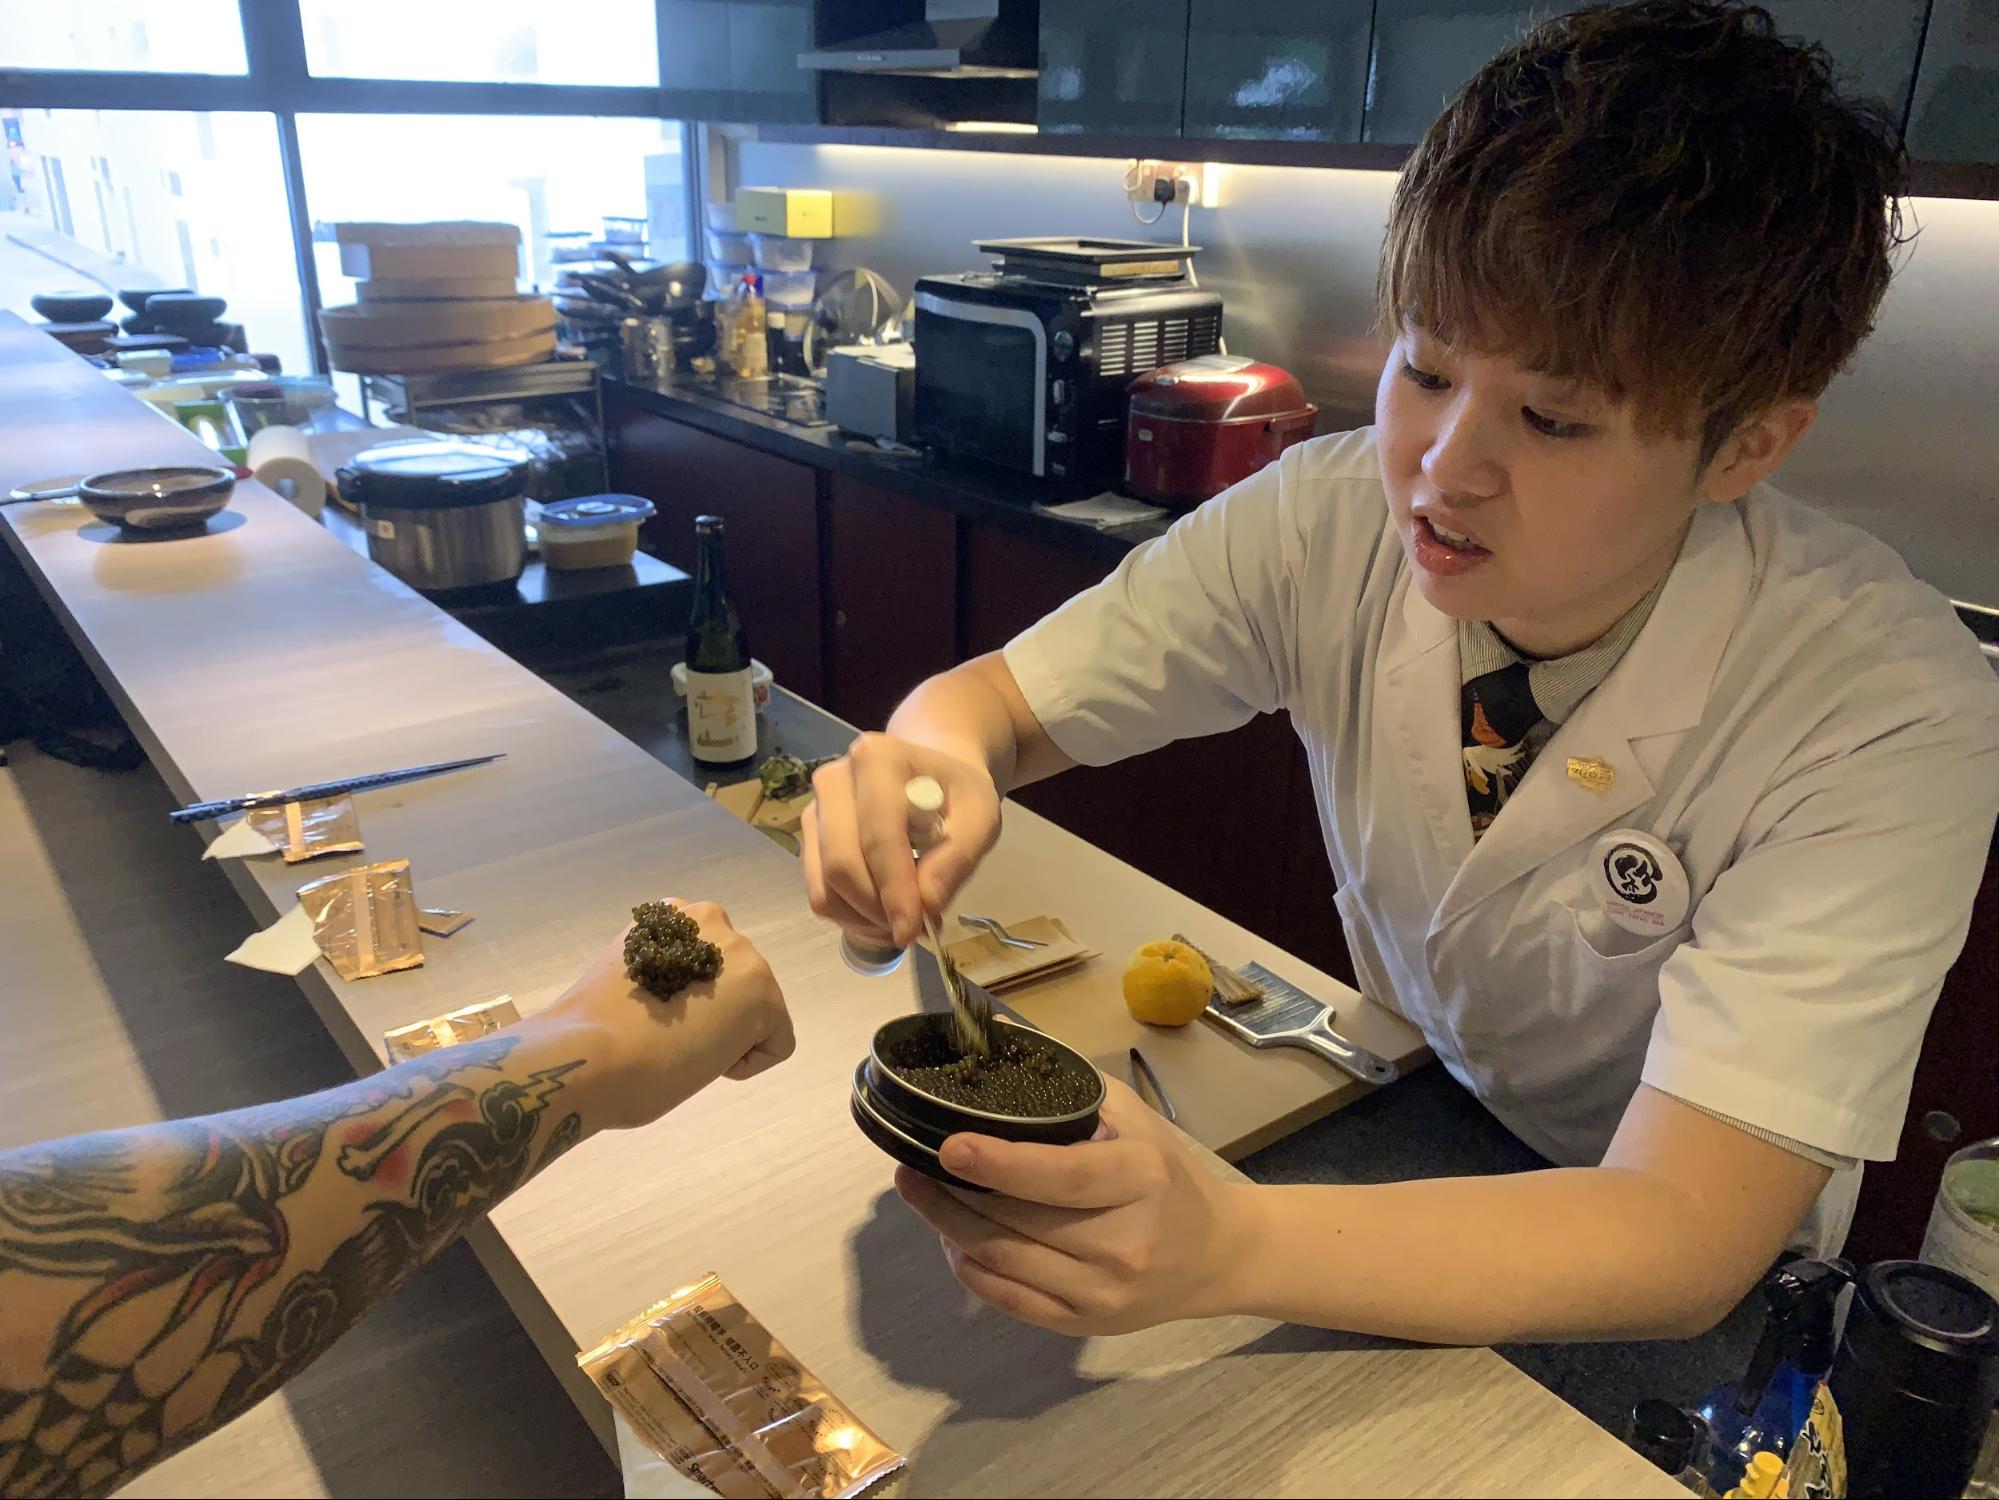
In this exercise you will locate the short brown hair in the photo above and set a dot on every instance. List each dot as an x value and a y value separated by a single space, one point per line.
1663 199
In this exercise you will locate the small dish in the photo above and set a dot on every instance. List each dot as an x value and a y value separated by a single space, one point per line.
71 307
165 499
761 681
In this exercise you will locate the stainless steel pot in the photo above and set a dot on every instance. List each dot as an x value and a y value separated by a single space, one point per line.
442 515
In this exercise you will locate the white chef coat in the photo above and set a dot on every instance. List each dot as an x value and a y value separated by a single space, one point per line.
1810 729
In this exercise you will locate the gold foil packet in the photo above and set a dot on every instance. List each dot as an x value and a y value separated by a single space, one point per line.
442 921
365 919
715 1395
307 830
451 1028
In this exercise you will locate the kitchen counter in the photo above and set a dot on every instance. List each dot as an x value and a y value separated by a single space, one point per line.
966 489
264 650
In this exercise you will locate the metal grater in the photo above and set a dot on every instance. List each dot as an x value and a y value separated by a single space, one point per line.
1288 1017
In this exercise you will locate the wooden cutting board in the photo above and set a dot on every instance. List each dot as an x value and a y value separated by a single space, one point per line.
435 288
415 325
493 354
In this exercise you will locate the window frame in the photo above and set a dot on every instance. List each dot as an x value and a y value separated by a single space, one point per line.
278 83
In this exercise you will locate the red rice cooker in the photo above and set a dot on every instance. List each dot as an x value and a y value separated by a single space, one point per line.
1196 427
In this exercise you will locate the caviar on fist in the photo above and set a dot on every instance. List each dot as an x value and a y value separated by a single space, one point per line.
665 951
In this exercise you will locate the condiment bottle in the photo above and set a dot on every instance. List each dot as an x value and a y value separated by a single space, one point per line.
748 350
721 704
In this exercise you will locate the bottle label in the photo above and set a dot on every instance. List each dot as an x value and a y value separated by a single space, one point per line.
721 716
1817 1465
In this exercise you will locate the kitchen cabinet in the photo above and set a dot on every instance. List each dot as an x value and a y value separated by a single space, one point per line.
1281 70
771 507
737 61
1113 67
892 583
1423 50
1954 115
1874 45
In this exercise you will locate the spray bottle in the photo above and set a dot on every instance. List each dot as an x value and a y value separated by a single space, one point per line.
1765 1411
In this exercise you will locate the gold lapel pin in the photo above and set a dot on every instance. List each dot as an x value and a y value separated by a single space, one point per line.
1597 775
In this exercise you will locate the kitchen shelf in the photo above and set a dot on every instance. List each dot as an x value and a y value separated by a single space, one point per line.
461 387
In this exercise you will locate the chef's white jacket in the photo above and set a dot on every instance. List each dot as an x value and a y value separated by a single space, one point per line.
1811 731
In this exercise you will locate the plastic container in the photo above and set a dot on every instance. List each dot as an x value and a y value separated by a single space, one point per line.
791 289
911 1124
1964 1225
777 252
283 402
594 531
727 248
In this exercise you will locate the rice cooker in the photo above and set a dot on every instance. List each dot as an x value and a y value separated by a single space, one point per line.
1195 427
442 514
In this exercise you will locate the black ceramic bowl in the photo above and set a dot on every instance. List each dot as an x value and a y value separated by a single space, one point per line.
178 311
70 307
135 297
167 499
911 1124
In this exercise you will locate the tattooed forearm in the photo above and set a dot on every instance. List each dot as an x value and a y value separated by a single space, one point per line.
154 1283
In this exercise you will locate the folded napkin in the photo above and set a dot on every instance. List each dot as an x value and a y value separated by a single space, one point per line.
994 967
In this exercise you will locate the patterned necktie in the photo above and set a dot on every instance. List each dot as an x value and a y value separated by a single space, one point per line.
1499 712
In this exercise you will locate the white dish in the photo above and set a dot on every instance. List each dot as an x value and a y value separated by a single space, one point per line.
760 682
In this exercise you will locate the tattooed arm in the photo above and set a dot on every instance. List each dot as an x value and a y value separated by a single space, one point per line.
156 1282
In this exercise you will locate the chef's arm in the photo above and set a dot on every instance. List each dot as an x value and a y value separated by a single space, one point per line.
1660 1241
1123 1232
977 713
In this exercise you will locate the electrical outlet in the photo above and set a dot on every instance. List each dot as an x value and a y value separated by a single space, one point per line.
1175 182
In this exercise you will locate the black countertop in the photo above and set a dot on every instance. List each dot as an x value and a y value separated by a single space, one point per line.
966 489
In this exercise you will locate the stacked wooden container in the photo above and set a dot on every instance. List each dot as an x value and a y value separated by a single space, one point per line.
435 298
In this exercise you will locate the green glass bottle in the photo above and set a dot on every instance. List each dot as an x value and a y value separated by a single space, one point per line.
721 710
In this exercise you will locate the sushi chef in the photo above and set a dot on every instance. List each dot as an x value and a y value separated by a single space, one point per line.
1655 797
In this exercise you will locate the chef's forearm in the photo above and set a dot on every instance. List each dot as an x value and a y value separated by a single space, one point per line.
976 712
1568 1253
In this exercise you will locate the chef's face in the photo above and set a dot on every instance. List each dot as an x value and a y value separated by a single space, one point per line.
1524 500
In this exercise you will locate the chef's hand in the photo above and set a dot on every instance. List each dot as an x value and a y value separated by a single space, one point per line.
1107 1236
854 841
646 1055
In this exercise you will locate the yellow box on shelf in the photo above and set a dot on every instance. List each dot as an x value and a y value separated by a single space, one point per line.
799 213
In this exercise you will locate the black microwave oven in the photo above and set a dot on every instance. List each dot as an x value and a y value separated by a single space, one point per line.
1032 376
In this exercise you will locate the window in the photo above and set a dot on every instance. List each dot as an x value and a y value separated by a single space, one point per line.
559 178
483 41
123 36
110 199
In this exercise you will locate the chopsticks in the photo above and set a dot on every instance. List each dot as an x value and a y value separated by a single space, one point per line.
197 811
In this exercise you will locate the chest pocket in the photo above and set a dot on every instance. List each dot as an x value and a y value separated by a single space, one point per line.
1601 941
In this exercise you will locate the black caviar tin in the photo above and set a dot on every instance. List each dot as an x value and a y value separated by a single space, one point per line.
911 1124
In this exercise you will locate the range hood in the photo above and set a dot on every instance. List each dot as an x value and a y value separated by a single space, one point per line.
955 39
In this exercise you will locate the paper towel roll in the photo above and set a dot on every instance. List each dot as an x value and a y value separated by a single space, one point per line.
281 458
